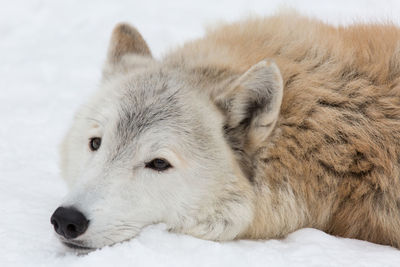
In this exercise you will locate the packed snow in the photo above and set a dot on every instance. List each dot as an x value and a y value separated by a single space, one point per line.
51 54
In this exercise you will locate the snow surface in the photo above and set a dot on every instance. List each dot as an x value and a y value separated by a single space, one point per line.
51 54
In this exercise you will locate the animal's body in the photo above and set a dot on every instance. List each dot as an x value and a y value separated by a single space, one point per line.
218 143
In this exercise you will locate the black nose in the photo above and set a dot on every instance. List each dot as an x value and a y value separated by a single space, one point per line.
69 222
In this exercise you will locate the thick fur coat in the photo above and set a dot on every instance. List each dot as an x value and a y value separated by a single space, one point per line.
312 140
332 161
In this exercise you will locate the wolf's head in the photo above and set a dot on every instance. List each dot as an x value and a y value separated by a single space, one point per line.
164 143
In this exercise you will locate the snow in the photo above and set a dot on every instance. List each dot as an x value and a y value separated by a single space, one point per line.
51 54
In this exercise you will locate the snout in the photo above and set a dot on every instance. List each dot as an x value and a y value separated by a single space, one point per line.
69 222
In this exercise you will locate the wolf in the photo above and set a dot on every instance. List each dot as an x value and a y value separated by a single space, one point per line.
257 129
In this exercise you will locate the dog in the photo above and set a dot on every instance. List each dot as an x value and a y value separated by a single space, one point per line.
257 129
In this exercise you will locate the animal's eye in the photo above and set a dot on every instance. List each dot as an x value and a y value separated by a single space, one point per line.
94 143
158 165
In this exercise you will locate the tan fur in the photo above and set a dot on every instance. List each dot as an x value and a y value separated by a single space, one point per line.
332 160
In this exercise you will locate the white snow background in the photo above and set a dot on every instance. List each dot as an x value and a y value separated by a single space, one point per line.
51 53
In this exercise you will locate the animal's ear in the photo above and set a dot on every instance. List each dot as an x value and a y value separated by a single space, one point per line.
127 50
253 103
125 39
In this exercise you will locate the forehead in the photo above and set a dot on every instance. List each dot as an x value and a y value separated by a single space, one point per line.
148 101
